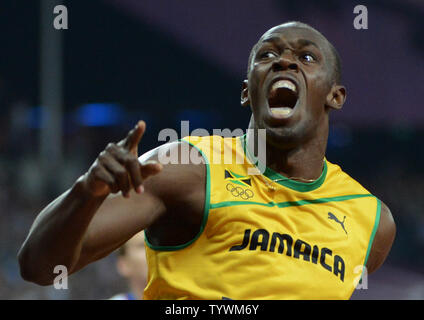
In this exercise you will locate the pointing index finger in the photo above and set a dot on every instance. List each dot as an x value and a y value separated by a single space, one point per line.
134 136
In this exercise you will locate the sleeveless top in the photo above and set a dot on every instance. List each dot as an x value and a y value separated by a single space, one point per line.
264 236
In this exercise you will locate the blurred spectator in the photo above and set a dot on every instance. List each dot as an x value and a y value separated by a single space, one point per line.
132 265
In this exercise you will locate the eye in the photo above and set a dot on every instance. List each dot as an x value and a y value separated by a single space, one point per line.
267 55
308 57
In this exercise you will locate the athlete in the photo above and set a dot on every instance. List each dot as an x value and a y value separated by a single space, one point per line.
131 265
301 229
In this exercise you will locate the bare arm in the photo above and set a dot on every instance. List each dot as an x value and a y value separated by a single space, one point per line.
61 235
172 203
383 240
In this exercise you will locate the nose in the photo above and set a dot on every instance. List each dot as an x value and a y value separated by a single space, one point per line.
285 62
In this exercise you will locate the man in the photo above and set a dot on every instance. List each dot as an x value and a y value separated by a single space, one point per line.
131 264
300 230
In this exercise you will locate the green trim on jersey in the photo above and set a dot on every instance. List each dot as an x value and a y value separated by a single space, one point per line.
289 203
374 230
286 182
205 211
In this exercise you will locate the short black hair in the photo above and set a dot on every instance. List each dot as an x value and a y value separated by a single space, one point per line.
336 61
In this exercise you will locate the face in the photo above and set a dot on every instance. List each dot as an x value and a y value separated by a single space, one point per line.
133 264
289 84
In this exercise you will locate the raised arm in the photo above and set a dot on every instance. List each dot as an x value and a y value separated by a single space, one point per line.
92 218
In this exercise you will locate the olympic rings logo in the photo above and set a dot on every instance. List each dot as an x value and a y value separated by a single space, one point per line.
239 191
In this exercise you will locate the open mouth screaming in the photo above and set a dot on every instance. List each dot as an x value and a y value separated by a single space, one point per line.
282 98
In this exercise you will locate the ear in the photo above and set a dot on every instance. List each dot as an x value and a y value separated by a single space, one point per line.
336 97
244 99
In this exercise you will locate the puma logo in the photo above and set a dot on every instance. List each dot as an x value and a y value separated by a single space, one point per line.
333 217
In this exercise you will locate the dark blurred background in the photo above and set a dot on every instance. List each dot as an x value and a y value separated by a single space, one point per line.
64 94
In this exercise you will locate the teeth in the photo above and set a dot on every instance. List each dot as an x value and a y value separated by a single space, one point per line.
284 84
283 111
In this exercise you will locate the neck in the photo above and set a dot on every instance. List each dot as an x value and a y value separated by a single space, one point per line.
303 162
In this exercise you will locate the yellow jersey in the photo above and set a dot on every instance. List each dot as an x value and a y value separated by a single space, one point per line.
265 236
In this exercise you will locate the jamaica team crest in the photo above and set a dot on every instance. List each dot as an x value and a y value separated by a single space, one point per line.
238 185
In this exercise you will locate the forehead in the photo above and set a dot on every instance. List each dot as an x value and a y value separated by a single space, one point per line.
294 35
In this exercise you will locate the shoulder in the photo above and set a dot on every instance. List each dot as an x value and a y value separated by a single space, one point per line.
183 173
190 150
341 180
386 229
178 158
181 190
383 239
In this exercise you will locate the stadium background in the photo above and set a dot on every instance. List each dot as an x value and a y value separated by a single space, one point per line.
165 61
